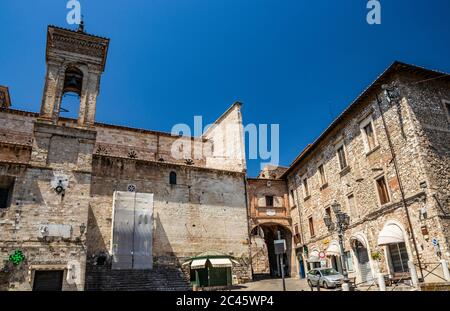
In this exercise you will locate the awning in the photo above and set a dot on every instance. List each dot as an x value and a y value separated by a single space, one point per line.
221 262
198 263
333 249
391 234
314 256
359 238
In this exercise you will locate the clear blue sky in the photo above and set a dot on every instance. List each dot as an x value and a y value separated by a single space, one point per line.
292 62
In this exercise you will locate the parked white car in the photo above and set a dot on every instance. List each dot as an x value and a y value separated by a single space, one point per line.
325 277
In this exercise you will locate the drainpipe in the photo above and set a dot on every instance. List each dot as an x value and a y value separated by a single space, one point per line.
248 226
394 159
300 219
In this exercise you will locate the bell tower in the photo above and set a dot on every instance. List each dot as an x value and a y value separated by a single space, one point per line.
75 63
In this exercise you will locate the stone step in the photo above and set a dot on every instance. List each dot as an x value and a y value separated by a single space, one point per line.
158 279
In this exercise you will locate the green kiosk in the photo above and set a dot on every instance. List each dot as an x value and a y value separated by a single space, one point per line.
211 269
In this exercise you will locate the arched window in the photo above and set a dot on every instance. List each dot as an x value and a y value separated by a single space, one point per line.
173 178
73 85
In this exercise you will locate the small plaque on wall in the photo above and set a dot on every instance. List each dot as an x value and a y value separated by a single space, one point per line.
271 212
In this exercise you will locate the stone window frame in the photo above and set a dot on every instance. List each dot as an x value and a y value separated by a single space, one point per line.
375 181
323 183
312 231
337 145
369 120
306 190
352 216
446 104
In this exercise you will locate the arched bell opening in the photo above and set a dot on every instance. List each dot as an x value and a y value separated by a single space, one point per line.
71 94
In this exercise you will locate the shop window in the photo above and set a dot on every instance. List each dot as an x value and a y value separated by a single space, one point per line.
399 257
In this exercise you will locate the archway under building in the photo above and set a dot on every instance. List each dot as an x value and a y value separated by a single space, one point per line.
265 262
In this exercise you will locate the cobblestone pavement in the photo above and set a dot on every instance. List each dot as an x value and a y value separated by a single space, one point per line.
276 285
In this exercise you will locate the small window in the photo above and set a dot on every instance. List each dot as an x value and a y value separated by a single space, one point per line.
173 178
352 206
447 106
383 192
328 211
292 198
6 191
269 200
311 226
368 134
342 158
305 187
323 178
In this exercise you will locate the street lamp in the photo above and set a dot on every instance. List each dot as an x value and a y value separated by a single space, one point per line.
342 223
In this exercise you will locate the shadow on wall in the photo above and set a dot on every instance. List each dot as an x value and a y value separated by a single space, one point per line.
94 239
163 253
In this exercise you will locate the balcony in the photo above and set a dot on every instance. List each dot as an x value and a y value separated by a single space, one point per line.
270 212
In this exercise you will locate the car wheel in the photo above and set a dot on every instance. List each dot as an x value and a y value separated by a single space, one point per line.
325 285
309 283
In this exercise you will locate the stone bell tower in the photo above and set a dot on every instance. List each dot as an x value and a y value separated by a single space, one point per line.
75 62
60 167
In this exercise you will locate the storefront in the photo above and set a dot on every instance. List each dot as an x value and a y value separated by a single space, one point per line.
393 238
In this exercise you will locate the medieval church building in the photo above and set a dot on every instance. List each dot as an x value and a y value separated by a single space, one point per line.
92 206
87 203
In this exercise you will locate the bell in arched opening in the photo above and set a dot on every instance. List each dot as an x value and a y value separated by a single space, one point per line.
73 81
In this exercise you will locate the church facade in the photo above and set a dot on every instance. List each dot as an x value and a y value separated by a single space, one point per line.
78 195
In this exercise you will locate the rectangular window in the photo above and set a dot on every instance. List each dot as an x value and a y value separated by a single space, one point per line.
305 187
352 206
370 136
297 238
323 178
328 211
6 191
383 192
269 200
342 158
311 226
349 261
292 198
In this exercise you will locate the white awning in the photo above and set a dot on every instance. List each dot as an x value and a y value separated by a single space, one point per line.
359 238
314 256
391 234
221 262
333 249
198 263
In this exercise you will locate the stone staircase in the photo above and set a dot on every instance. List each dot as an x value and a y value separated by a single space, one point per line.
102 278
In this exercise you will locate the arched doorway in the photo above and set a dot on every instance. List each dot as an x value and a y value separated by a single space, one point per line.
265 262
362 256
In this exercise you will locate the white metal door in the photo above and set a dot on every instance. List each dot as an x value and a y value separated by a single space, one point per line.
142 255
132 231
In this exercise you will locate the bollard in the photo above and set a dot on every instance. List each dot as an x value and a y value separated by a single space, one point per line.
345 287
381 282
413 272
445 270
